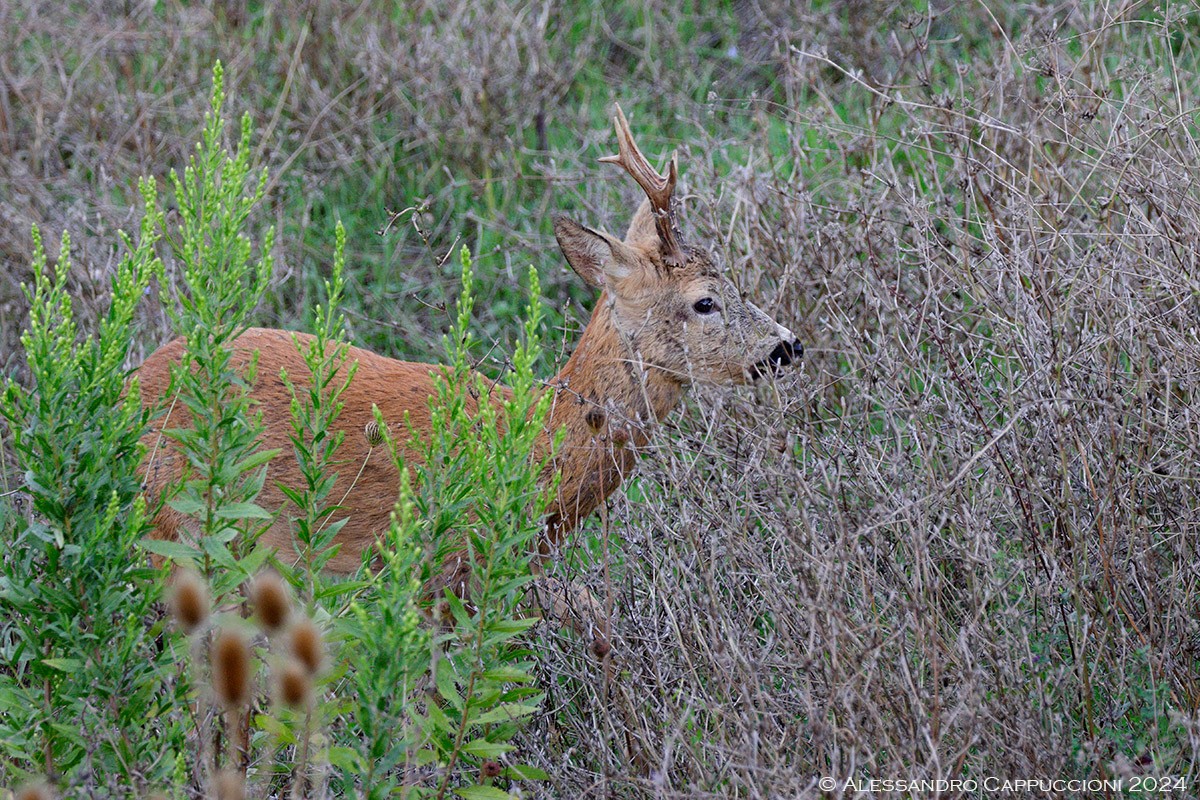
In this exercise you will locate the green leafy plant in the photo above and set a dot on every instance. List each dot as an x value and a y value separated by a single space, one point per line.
85 686
224 469
314 410
474 497
406 707
479 491
389 648
315 406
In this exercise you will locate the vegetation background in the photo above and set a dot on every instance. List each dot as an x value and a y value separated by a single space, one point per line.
959 541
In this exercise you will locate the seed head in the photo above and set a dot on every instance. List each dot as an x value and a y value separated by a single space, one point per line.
490 769
373 434
272 601
230 658
600 647
189 601
294 686
229 785
595 419
34 791
306 644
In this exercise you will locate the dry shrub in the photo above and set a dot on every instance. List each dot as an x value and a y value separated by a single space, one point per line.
396 106
960 544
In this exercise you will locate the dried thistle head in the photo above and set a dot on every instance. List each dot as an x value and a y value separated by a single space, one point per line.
272 601
189 600
229 785
231 668
34 791
293 685
490 769
306 644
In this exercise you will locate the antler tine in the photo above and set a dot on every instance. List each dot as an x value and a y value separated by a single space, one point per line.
659 188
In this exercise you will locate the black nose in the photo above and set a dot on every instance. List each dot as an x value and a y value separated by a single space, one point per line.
785 353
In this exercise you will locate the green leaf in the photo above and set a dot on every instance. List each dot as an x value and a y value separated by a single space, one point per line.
447 688
461 615
507 674
482 793
438 722
63 664
280 730
174 551
188 506
513 626
485 749
522 772
346 759
257 460
505 713
340 588
72 732
241 511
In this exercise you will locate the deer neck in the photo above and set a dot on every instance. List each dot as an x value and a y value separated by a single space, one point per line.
606 401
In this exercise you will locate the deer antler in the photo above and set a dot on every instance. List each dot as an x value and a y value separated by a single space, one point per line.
659 188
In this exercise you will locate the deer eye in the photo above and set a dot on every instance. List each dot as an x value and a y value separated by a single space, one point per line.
705 306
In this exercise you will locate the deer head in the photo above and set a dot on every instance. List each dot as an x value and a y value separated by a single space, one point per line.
672 305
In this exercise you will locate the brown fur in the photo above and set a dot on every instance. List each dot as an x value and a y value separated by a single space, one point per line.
644 344
592 464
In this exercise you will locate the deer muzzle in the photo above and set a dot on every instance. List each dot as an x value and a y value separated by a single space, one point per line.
782 356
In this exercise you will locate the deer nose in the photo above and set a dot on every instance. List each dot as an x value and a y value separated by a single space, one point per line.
786 352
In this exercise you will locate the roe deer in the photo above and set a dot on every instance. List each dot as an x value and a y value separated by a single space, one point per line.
666 317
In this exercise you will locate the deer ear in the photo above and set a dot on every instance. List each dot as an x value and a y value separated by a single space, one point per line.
598 258
641 228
